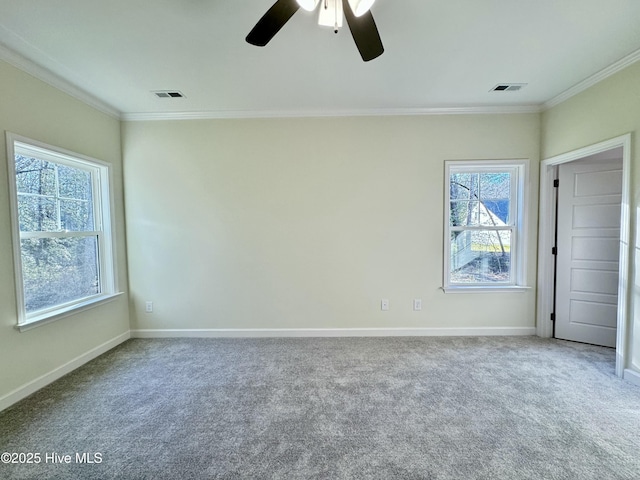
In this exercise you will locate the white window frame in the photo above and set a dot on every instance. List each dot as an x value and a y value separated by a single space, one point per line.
101 183
518 214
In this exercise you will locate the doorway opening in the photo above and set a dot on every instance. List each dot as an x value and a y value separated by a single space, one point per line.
547 240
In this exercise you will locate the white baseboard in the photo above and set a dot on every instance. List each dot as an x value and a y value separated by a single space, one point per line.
332 332
44 380
632 376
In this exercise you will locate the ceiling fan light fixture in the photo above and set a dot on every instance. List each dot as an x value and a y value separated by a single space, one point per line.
331 14
360 7
363 30
308 5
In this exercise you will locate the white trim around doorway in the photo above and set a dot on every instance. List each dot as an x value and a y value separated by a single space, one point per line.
546 240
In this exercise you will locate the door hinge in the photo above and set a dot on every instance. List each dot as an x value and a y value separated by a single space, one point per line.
553 317
556 183
554 251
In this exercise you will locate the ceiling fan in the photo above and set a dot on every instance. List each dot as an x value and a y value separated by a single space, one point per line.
363 28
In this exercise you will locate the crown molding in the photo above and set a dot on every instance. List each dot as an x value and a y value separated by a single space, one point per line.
28 66
47 76
588 82
383 112
22 63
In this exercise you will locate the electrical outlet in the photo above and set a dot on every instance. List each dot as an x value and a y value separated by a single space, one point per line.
148 307
384 304
417 304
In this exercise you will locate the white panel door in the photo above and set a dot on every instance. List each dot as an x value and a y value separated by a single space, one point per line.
589 196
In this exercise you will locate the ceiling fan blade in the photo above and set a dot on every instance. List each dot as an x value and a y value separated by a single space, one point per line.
272 21
364 32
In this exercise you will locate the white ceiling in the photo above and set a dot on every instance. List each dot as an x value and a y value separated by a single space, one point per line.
439 54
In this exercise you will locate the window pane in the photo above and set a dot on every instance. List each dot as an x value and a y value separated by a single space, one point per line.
464 185
37 214
480 256
58 270
76 216
74 183
496 212
495 186
460 186
464 214
35 176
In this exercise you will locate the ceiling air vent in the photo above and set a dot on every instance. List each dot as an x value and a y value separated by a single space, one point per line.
508 87
168 94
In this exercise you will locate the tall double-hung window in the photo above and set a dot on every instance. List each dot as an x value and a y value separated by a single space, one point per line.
484 225
61 230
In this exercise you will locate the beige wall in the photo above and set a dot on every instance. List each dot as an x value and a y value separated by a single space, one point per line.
606 110
309 223
36 110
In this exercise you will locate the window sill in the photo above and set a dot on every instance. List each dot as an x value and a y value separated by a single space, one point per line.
485 289
39 320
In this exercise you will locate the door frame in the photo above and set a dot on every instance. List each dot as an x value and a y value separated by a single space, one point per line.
546 235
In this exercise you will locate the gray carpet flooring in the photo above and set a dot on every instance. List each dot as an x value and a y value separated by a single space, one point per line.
322 408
